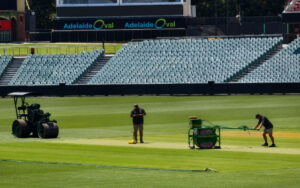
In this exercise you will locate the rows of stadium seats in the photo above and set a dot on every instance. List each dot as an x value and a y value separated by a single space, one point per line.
4 62
183 61
54 69
283 67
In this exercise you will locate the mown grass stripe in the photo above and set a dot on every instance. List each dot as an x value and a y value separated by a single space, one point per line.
105 166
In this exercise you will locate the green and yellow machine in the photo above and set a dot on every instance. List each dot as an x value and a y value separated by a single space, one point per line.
206 136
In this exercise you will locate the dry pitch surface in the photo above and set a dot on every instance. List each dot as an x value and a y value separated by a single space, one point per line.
181 145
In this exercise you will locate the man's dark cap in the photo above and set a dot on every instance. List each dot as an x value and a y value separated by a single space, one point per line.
258 116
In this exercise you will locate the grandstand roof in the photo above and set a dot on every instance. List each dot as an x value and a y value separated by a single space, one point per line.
292 6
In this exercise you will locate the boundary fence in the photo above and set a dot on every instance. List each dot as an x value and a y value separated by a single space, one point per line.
67 49
157 89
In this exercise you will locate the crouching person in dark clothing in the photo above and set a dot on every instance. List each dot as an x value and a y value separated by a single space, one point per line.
263 121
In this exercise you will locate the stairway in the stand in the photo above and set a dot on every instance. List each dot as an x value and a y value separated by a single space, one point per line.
11 70
93 71
256 65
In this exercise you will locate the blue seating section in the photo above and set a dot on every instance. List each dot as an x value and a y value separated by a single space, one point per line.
183 61
283 67
4 61
54 69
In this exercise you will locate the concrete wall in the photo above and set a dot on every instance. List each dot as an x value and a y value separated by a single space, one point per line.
21 6
160 89
21 23
187 11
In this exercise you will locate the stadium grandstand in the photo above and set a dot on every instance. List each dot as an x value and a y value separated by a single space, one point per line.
4 62
169 61
183 61
283 67
162 55
54 69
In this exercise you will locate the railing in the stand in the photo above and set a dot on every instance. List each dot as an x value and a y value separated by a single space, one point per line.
25 50
87 3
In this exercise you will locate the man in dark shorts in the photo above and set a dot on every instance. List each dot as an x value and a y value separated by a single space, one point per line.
263 121
137 115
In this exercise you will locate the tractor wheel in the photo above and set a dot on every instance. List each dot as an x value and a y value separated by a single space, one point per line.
48 130
20 128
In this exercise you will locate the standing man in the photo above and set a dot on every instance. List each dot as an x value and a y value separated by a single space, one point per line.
137 115
263 121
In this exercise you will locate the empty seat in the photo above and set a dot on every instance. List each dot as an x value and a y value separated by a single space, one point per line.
283 67
183 61
55 69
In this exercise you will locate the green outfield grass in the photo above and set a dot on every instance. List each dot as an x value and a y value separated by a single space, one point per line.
56 48
92 148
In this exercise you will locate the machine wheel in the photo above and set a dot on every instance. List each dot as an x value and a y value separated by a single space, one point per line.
20 128
192 147
205 138
48 130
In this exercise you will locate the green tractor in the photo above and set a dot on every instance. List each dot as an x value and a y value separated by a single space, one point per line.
31 120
